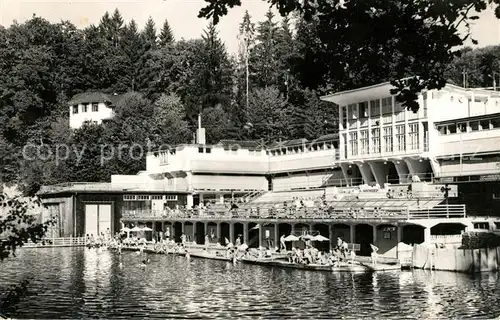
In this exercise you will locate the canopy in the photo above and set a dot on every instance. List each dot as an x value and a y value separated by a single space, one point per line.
136 229
320 238
146 229
291 238
126 229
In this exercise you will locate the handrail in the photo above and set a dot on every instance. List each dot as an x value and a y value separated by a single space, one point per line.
57 242
439 211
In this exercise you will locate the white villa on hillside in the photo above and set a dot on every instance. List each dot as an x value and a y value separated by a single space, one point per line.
91 106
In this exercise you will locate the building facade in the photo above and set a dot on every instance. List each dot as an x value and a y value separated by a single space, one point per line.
388 176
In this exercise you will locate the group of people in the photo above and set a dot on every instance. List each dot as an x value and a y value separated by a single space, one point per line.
99 240
311 255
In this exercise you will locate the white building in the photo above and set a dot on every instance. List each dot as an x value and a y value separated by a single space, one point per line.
91 106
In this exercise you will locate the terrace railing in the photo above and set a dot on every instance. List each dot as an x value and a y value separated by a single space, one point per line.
439 211
57 242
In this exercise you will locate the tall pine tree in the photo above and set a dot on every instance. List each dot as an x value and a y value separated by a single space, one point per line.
166 35
265 59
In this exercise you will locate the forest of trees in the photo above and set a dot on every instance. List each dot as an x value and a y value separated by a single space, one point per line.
167 82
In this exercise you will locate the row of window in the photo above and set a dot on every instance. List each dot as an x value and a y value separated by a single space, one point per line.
401 143
375 108
85 108
133 197
469 126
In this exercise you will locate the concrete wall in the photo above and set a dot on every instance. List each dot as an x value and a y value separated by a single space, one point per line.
460 260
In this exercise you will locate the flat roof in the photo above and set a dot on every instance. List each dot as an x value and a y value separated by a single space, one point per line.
82 187
471 118
382 90
377 91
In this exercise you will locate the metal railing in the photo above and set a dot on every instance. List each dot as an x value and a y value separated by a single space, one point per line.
57 242
324 212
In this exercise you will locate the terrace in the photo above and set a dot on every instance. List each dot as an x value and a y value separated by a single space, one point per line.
271 212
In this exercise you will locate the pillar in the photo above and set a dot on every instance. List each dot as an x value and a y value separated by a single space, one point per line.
352 233
402 170
221 198
194 232
189 201
260 236
331 232
399 235
218 232
245 233
276 236
380 171
231 232
201 198
206 230
427 235
183 224
366 173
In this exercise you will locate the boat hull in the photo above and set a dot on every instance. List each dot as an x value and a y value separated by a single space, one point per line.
348 267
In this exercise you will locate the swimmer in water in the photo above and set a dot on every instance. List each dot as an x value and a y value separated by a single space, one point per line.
144 263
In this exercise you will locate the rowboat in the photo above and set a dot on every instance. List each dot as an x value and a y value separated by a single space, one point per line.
211 256
353 266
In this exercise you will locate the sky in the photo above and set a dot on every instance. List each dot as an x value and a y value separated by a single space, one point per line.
181 15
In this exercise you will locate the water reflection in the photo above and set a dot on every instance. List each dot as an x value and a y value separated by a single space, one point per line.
88 283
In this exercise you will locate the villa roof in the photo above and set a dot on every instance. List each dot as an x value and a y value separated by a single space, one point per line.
94 96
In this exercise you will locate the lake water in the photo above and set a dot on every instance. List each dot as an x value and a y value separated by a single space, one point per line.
90 283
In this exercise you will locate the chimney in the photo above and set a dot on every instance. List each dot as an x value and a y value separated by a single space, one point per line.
200 132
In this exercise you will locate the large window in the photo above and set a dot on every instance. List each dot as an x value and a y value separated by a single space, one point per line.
352 110
344 117
85 108
413 136
363 139
353 141
387 105
388 139
376 140
95 107
75 109
400 138
363 110
375 108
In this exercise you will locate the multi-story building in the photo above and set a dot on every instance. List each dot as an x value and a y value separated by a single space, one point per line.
388 176
93 107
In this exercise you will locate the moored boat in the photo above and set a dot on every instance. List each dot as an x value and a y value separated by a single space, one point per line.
343 267
209 255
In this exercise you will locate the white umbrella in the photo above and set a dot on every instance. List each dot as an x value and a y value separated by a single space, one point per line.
291 238
146 229
306 237
136 229
320 238
243 247
126 229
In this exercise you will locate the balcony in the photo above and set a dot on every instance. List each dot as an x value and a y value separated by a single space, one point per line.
270 211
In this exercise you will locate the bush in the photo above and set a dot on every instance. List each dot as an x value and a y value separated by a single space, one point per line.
480 240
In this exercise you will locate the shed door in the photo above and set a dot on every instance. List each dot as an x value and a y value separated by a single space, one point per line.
105 219
91 219
97 219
